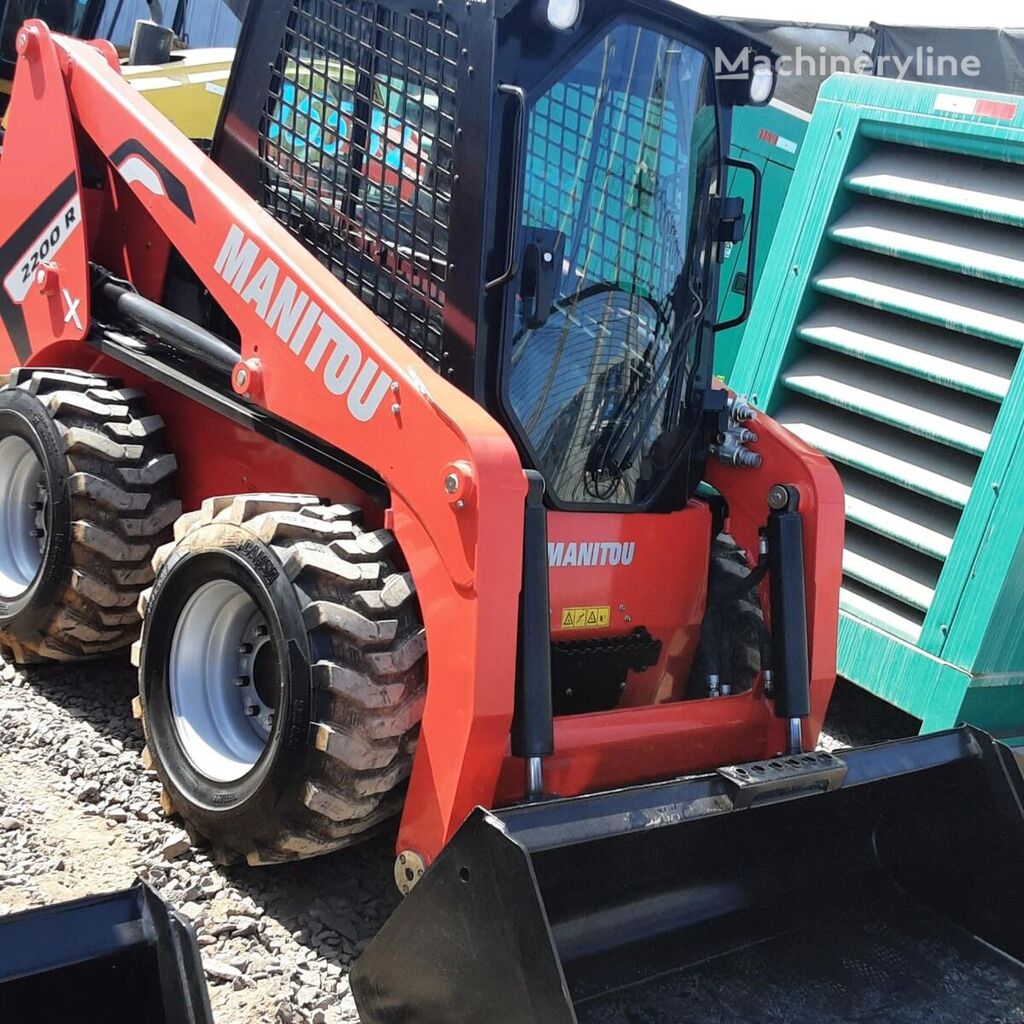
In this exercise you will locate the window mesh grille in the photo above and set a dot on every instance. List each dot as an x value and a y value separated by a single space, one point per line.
356 153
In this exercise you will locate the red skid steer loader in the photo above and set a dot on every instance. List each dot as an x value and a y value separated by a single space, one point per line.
387 434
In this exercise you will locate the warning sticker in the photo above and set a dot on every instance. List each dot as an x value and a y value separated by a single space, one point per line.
586 618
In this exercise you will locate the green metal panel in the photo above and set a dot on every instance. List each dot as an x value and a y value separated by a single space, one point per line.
886 332
769 138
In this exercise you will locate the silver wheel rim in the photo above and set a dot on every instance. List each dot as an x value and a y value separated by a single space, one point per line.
22 516
223 681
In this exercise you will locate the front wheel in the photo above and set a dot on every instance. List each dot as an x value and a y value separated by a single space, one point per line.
281 676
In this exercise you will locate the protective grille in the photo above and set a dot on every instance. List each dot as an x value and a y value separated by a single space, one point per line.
908 348
356 153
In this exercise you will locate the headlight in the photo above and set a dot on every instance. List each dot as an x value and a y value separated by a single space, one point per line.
563 15
762 84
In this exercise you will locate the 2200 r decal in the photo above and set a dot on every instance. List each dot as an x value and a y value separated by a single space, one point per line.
46 245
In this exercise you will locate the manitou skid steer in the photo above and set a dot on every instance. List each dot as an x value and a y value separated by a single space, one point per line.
387 433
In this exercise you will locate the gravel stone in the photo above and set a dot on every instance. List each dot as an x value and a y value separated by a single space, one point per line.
176 846
219 971
80 816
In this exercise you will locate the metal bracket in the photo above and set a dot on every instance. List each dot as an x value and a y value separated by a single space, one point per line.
784 777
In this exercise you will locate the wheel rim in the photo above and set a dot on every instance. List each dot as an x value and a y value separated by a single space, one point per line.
224 684
22 516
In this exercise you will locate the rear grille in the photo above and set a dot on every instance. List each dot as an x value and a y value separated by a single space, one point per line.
909 339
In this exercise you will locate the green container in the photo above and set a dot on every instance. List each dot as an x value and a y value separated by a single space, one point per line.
770 138
886 332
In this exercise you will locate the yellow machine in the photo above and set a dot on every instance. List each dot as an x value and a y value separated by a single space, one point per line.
185 84
188 90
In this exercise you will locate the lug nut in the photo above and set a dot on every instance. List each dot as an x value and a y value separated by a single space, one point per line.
242 681
245 648
252 710
262 631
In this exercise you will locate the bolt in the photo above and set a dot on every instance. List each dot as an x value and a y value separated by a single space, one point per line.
245 648
460 504
252 710
622 607
568 691
778 497
628 618
242 377
395 409
241 681
36 506
37 532
262 630
394 386
451 483
547 257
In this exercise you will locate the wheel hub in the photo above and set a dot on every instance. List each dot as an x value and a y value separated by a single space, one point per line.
224 682
257 680
23 499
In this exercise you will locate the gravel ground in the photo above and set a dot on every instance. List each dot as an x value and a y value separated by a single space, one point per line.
79 816
856 718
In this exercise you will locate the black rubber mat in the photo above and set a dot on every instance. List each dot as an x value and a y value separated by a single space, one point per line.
888 961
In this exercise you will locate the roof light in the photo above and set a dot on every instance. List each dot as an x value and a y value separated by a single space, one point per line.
762 83
563 15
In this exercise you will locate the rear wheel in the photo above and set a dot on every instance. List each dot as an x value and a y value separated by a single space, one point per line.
281 676
85 500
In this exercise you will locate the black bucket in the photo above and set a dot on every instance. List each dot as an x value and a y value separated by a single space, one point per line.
885 884
110 959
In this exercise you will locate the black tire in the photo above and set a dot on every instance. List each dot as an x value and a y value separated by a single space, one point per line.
349 650
105 506
736 625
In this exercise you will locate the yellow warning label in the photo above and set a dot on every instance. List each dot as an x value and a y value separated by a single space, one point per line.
586 618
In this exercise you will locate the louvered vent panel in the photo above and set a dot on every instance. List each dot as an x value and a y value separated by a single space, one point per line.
910 344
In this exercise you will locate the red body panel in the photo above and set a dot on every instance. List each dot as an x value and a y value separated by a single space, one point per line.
351 381
670 549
